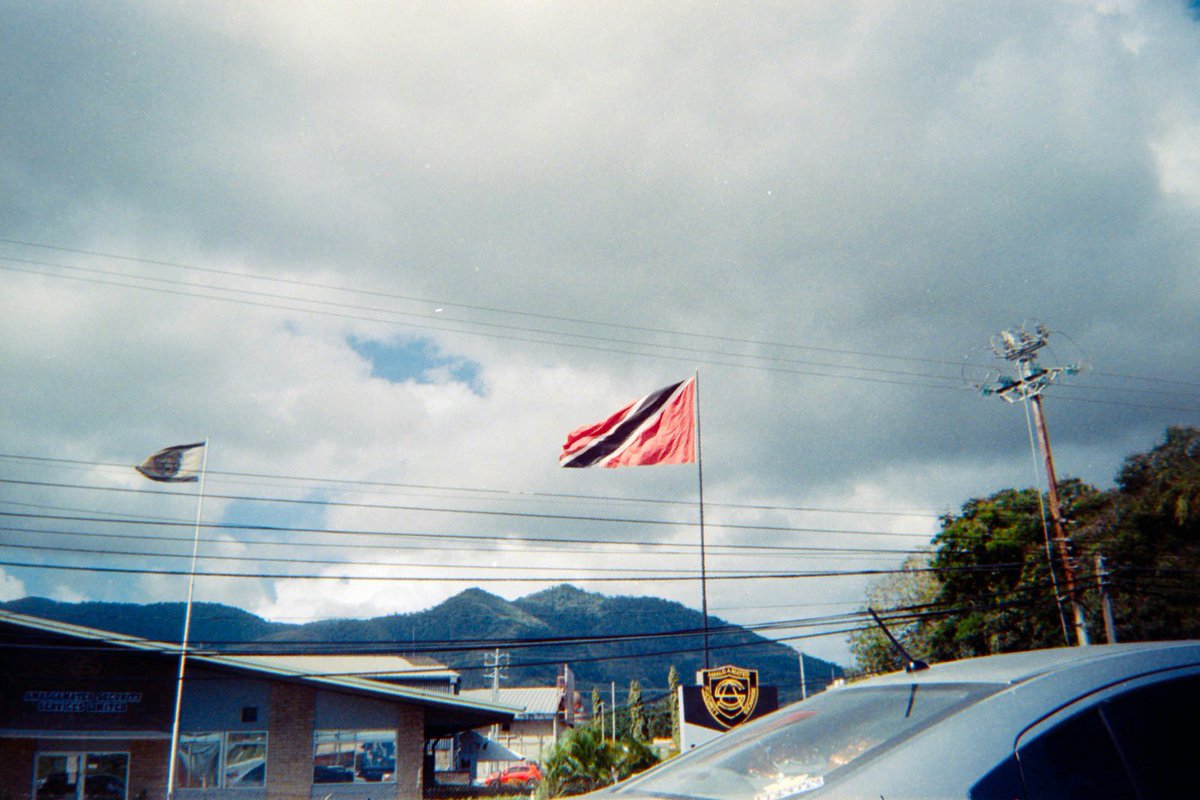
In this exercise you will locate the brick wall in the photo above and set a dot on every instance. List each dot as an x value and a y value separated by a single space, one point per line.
290 742
148 769
16 768
410 751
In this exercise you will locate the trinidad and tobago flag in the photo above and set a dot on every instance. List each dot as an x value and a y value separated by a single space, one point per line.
660 428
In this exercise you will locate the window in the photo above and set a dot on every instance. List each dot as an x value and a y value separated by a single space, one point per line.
80 776
1075 760
354 757
1154 730
215 760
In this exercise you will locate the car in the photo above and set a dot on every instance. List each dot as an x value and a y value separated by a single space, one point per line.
61 786
1105 721
332 773
525 775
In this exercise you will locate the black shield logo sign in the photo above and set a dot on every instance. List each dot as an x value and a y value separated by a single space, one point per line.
730 694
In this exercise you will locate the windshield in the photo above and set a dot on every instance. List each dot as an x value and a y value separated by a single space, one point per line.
800 748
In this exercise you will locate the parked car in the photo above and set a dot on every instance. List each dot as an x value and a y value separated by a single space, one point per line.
61 786
1112 721
525 776
332 773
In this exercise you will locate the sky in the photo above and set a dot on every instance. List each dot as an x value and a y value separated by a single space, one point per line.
383 257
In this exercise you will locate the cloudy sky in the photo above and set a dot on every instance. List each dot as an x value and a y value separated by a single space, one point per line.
384 256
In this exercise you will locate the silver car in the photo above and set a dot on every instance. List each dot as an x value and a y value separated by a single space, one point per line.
1111 721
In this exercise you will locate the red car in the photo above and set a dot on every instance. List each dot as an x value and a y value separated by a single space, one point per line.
525 775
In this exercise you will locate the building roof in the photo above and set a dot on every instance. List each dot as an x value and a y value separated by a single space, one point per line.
534 702
447 713
379 667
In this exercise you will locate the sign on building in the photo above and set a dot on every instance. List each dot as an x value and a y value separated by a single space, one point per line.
725 698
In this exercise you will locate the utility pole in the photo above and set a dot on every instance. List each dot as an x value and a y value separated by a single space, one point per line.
614 710
1110 628
1020 347
495 662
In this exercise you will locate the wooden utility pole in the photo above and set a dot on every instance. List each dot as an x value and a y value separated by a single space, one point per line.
1056 521
1020 347
1110 627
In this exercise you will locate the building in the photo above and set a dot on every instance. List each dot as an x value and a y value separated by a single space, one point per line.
542 717
87 715
415 672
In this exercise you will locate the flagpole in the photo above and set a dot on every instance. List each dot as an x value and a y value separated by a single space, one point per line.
187 627
703 566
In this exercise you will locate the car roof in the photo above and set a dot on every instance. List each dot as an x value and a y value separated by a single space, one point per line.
1032 686
1011 668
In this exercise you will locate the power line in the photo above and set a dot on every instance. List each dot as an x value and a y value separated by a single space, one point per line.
484 579
697 356
663 548
257 559
429 320
449 510
469 307
518 494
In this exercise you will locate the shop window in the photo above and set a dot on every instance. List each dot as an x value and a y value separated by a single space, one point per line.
81 776
215 760
354 757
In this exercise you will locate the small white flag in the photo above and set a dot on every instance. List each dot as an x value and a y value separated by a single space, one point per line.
178 464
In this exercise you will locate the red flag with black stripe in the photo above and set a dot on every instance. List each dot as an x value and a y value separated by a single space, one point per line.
659 428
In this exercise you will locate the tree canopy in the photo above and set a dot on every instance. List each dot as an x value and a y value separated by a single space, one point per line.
992 583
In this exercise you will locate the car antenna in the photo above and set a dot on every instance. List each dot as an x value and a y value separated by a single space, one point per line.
910 664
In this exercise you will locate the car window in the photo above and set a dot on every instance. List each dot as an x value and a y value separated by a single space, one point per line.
1131 743
1155 730
802 747
1075 760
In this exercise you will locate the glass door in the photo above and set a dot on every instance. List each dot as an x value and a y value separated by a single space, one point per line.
81 776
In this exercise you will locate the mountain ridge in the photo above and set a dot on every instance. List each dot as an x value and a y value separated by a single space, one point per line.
605 639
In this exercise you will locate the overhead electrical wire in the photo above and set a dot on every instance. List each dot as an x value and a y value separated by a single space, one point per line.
453 510
697 356
487 491
440 536
260 559
470 307
429 320
694 577
660 548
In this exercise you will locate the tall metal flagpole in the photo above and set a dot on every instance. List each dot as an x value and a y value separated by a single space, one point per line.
187 627
703 565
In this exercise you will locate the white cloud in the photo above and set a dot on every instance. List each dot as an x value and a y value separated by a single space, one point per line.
11 588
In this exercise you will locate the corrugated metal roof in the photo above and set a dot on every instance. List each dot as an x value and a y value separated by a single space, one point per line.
535 701
362 666
260 665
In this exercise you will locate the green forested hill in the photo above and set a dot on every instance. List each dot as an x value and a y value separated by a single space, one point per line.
528 631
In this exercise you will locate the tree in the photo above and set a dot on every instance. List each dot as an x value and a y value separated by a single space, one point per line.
998 591
637 717
673 699
998 580
582 761
1151 540
909 593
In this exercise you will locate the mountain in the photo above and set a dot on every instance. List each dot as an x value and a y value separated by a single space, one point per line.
613 639
211 622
